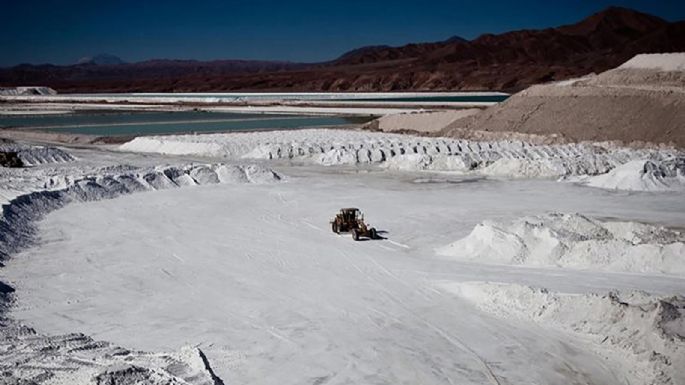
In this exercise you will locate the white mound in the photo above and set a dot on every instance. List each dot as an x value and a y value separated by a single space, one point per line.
35 155
657 61
643 175
643 333
26 91
409 162
174 147
573 241
164 177
527 168
401 152
420 162
77 359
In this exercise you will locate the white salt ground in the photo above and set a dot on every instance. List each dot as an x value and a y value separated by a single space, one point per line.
252 275
645 332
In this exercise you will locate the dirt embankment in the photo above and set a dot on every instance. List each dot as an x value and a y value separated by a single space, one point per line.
419 123
630 105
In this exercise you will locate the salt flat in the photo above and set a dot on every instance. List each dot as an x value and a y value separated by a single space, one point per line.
253 275
522 248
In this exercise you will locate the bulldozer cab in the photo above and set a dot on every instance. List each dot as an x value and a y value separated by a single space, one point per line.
350 214
352 220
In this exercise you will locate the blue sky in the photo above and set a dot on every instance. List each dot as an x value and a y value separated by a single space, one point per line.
61 32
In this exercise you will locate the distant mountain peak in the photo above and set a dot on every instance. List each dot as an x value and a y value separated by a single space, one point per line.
615 19
456 39
101 59
361 51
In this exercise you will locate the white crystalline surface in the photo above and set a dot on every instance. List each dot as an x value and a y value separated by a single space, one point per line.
508 159
16 182
207 249
35 155
661 62
573 241
54 179
24 91
251 274
643 175
646 332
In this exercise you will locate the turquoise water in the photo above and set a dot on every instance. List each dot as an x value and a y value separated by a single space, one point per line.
153 123
461 98
397 97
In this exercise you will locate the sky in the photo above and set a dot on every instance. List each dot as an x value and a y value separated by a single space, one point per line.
62 31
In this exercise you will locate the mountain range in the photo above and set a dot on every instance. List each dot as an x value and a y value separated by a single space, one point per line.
101 59
509 61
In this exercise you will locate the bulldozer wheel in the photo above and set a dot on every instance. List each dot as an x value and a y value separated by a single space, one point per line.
355 235
372 233
334 227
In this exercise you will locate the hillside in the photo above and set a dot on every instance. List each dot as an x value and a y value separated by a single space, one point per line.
508 61
642 100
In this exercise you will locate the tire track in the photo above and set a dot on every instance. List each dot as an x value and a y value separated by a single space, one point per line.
454 341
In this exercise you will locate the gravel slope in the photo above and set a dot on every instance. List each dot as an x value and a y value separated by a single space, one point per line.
643 101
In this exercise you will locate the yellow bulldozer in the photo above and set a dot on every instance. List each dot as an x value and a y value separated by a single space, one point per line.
352 220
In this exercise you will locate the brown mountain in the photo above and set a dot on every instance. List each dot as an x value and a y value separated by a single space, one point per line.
150 75
508 61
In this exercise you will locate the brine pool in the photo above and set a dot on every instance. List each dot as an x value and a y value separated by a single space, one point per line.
154 123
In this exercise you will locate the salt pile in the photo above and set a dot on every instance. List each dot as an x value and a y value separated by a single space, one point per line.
504 158
26 91
643 333
643 175
35 155
78 359
573 241
528 168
